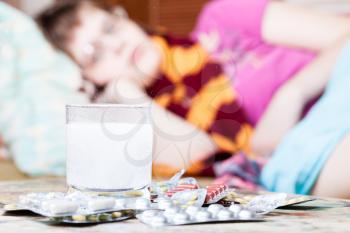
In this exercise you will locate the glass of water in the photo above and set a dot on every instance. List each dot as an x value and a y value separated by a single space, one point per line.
109 147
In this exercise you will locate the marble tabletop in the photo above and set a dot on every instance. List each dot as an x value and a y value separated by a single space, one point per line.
322 215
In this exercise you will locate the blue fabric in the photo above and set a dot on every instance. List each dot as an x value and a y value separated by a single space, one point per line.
298 161
35 84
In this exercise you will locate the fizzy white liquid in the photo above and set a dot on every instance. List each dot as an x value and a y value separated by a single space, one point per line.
109 156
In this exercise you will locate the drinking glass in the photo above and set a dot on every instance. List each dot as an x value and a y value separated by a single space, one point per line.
109 147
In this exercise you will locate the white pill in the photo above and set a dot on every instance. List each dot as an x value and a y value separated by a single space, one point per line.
121 203
214 209
235 209
24 200
158 220
56 207
101 204
203 215
45 205
171 211
180 218
165 204
150 213
192 210
224 214
245 215
53 195
33 195
142 203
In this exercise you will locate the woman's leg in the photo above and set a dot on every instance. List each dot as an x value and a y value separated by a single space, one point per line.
334 180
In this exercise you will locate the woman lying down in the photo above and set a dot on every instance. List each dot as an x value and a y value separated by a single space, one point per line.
251 64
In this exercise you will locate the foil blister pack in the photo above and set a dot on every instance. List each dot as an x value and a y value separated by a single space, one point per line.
77 204
94 218
197 215
264 199
178 201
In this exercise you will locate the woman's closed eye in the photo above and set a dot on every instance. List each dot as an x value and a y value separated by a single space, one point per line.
110 27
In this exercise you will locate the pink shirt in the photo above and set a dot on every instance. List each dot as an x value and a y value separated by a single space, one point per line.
257 68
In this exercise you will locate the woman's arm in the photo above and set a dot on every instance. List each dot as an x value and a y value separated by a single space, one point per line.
177 143
293 26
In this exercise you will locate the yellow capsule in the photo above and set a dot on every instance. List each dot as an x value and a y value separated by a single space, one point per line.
79 218
10 207
191 202
93 218
193 198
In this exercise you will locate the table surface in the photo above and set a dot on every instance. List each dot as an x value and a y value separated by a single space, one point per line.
327 215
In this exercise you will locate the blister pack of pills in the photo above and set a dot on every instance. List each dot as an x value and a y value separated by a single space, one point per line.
77 203
263 204
173 185
181 187
266 200
215 192
188 198
197 215
160 188
94 218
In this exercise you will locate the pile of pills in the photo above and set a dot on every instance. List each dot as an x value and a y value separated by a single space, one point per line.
193 214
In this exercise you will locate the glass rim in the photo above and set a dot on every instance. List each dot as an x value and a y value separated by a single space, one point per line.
106 106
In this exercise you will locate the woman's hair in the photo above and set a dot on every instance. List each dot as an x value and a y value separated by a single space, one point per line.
58 20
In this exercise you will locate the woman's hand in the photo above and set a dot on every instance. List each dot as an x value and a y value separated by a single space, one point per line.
177 143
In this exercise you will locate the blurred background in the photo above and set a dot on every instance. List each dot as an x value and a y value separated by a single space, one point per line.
179 15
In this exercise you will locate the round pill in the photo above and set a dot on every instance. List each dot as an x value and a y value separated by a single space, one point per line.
142 203
53 195
150 213
171 211
165 204
158 220
235 209
245 214
79 218
32 195
224 214
116 214
120 202
203 215
214 209
180 218
192 210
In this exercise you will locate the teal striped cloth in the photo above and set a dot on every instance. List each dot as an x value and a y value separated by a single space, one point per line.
35 84
298 161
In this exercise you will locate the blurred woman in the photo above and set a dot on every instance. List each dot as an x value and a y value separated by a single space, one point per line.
252 64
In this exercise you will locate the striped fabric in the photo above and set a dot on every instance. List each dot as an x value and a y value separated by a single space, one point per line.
195 88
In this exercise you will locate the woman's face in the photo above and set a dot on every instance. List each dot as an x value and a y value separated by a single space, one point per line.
110 47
